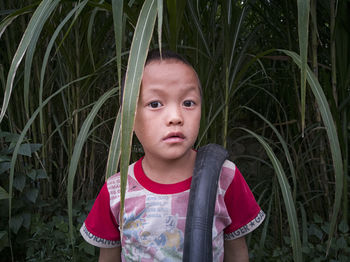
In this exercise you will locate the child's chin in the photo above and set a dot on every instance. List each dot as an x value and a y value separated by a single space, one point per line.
177 154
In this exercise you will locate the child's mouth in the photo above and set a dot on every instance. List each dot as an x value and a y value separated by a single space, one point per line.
174 137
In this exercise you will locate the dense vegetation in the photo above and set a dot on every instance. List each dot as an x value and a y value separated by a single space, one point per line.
276 82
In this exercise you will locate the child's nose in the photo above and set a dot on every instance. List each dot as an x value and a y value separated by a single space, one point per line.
175 117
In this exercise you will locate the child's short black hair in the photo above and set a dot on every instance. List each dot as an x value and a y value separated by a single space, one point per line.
155 55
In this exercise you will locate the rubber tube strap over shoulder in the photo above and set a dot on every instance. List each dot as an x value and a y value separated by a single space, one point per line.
201 205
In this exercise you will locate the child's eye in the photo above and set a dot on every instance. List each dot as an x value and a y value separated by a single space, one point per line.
188 103
155 104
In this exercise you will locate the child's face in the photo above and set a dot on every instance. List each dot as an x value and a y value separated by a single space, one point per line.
169 110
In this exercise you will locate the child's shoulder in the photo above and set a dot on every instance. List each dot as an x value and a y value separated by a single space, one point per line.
113 184
228 172
229 164
115 179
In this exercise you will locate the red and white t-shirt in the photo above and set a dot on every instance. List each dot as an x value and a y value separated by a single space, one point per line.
155 215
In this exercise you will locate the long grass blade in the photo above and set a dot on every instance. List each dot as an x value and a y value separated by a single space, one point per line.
304 225
198 26
114 148
287 197
23 134
33 25
328 121
303 33
90 34
60 134
240 59
175 10
236 33
30 53
284 146
68 30
138 53
11 17
117 10
77 151
50 45
264 232
246 66
172 11
3 194
160 23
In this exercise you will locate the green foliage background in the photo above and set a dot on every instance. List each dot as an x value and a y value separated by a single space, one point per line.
276 83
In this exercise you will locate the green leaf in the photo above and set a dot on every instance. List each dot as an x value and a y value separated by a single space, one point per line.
332 134
32 174
303 33
6 22
138 53
19 182
50 45
304 225
175 9
16 223
4 166
9 19
34 23
160 22
87 248
41 174
114 149
343 227
284 146
315 231
77 151
5 134
287 197
117 10
26 220
325 228
4 158
25 150
198 26
264 233
89 35
34 147
3 194
318 219
3 240
341 243
32 194
30 53
24 132
11 137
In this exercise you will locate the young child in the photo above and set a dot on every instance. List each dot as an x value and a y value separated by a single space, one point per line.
166 124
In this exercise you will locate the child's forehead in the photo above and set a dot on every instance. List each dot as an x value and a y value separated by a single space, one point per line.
160 68
167 71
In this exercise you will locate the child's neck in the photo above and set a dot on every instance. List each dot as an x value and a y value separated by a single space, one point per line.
169 171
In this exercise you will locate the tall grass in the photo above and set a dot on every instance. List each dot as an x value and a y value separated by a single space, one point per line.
76 53
137 59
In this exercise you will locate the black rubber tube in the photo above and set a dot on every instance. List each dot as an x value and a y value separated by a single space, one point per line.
201 205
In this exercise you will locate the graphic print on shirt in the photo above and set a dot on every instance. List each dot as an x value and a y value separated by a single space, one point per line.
155 229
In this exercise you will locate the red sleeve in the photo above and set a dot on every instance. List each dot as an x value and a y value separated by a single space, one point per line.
100 227
244 211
